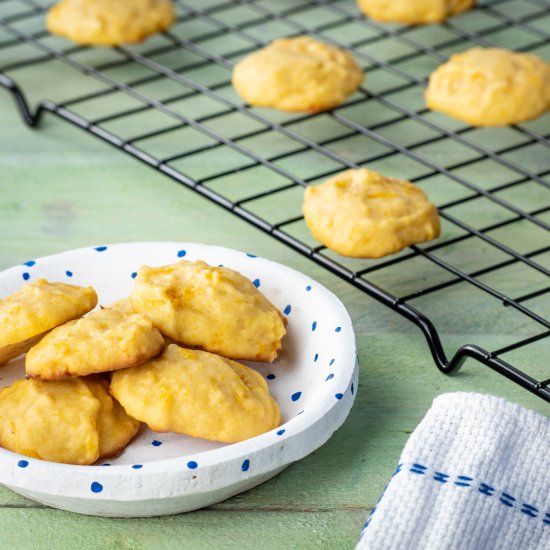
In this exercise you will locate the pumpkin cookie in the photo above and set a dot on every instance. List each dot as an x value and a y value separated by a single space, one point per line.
297 74
28 314
103 341
115 428
109 22
124 305
413 12
491 87
364 214
72 421
212 308
198 394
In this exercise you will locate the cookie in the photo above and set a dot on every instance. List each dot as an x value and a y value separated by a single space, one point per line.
109 22
72 421
413 12
364 214
199 394
28 314
214 309
124 305
297 74
103 341
490 87
115 428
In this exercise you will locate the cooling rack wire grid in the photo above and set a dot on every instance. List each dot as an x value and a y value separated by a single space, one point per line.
169 103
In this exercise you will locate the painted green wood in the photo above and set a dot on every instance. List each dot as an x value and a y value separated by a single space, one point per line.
49 529
62 189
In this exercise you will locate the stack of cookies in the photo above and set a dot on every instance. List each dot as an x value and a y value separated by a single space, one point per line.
164 356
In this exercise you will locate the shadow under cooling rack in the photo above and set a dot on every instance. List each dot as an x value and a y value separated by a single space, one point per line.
169 103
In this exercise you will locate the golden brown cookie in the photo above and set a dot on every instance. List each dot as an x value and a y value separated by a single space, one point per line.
103 341
491 87
124 305
115 428
72 421
28 314
297 74
109 22
364 214
198 394
212 308
413 12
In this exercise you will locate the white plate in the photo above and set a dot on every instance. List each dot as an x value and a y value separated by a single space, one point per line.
313 381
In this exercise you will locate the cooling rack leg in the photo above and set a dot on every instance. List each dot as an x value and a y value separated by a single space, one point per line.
31 119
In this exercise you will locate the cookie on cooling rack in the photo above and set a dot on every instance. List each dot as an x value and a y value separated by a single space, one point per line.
28 314
104 341
211 308
297 74
199 394
413 12
491 87
364 214
72 421
109 22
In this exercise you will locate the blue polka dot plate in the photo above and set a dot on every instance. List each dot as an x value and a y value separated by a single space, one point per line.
313 380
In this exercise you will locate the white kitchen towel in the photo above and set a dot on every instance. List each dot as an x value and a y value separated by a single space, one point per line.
475 474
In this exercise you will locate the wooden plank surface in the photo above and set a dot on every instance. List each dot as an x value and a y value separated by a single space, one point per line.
63 189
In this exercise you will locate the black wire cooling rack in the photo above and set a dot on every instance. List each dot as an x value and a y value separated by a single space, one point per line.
169 103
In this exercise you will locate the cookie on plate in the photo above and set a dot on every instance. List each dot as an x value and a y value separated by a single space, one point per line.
199 394
109 22
124 305
106 340
364 214
72 421
413 12
28 314
297 74
212 308
491 87
115 428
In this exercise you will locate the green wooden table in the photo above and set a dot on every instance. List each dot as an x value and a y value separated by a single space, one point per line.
62 189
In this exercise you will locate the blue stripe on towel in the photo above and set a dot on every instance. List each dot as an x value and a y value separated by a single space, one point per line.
466 481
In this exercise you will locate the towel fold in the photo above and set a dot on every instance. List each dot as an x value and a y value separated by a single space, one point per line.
475 474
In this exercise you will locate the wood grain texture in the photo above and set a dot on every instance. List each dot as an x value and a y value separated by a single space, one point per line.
62 189
47 529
